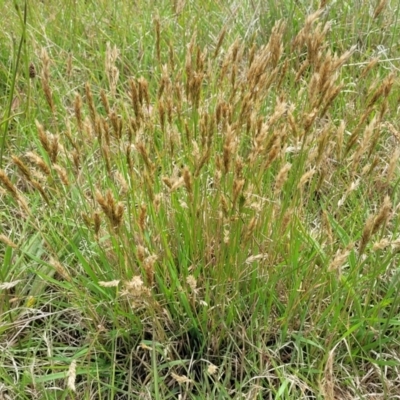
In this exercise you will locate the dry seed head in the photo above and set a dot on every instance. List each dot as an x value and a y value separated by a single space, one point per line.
54 148
122 182
72 376
381 245
229 147
167 182
379 8
282 177
140 252
275 44
282 74
220 40
187 177
43 137
105 152
148 265
305 178
224 205
9 185
388 83
370 169
384 109
161 114
340 258
309 119
273 154
136 288
22 167
104 101
104 203
368 68
331 94
116 122
60 269
7 241
144 95
344 57
212 369
158 36
40 189
383 90
78 111
301 70
181 379
250 228
113 283
367 233
38 161
112 72
62 173
143 152
313 88
177 183
103 132
118 215
157 201
304 33
191 281
135 98
383 215
226 236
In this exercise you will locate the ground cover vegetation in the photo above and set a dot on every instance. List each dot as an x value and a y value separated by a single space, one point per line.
199 200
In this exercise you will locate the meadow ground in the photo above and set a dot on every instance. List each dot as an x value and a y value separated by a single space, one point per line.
199 200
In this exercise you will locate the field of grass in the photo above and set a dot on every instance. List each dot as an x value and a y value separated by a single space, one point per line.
199 199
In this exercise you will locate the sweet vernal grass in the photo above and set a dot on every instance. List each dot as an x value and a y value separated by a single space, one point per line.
200 201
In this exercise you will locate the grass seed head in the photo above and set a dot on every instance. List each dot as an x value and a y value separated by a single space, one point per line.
379 8
9 186
72 376
62 173
39 162
383 215
281 178
44 140
7 241
78 111
148 265
22 167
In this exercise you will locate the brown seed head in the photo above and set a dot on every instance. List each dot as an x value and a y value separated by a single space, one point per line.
8 185
32 70
22 167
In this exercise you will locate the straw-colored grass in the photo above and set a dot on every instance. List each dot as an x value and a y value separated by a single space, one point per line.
199 201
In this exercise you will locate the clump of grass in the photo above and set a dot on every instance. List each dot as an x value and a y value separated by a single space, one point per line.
224 223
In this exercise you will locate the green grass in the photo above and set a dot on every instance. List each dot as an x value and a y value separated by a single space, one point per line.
196 218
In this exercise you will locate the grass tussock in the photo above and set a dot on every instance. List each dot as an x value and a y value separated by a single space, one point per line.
216 219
